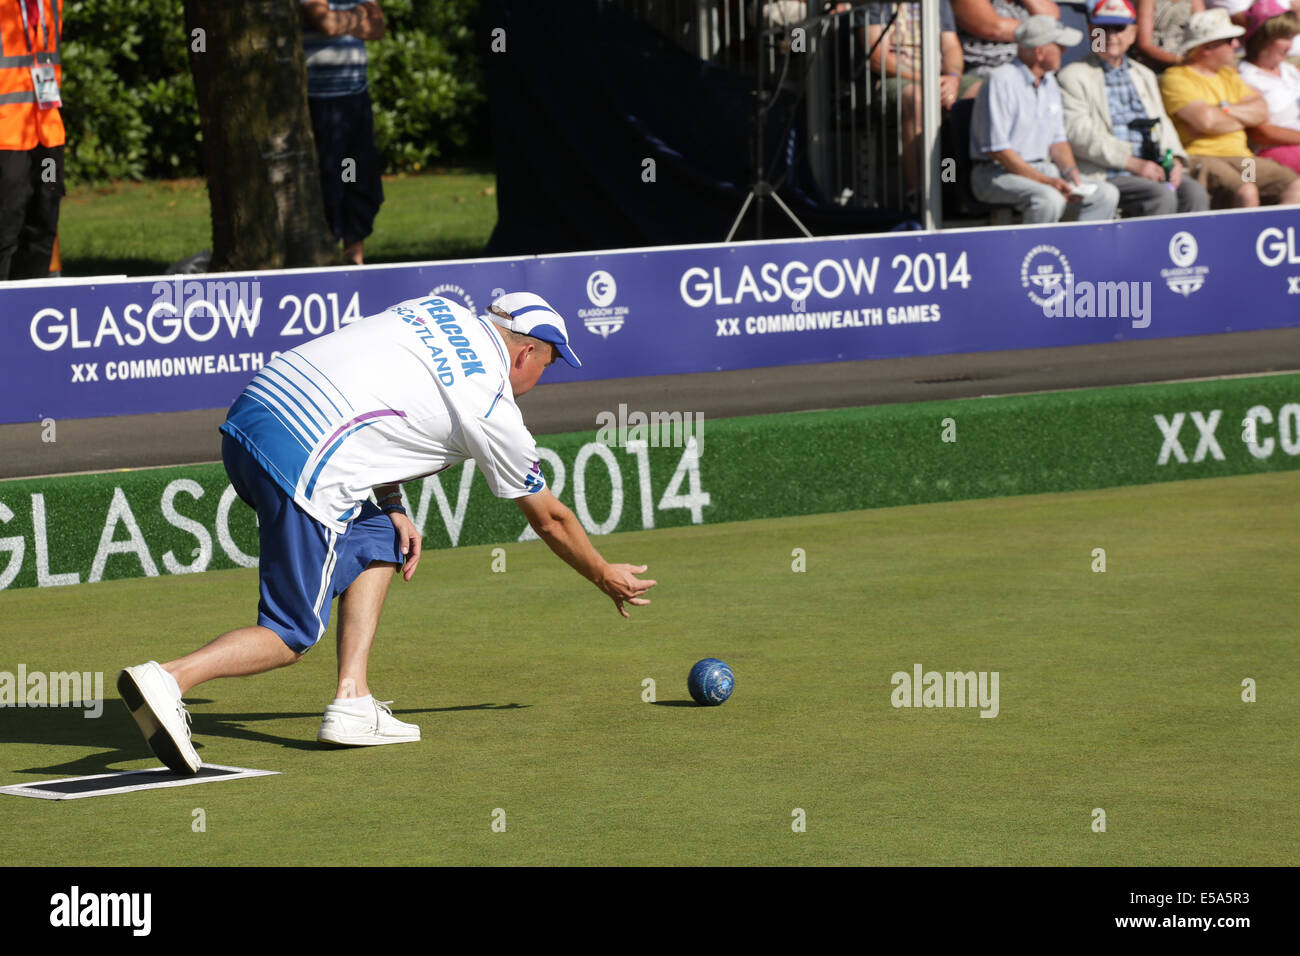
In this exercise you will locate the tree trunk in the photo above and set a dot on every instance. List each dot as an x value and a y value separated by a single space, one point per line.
259 153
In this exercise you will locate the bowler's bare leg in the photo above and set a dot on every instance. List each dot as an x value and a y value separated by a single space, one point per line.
359 609
238 653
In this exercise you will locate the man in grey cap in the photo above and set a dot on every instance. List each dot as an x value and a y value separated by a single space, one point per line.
400 395
1018 145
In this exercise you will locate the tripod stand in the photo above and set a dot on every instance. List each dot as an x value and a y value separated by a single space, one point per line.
761 189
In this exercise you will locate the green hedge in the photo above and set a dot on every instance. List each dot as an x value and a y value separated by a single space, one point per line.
426 82
129 97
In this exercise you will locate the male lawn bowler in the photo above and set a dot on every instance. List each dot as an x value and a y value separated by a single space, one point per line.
396 396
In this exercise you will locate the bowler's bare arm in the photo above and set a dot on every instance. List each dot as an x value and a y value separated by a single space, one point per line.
559 528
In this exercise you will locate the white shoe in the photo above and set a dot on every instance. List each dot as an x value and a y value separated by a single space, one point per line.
161 715
365 724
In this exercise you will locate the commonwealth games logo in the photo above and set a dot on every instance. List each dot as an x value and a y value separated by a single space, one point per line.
605 318
1045 272
601 288
1185 278
1182 249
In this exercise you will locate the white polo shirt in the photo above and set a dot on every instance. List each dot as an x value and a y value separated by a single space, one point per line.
406 393
1012 113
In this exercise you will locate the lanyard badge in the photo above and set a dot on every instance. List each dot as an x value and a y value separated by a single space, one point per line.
44 82
47 86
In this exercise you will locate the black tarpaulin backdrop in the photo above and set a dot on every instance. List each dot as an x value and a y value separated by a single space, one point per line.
583 94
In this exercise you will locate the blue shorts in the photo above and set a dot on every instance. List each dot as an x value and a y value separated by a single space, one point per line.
303 564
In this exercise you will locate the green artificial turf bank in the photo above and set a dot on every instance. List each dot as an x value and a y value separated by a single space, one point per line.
187 519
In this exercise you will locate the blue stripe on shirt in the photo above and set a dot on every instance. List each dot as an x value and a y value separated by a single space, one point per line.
243 415
270 394
288 392
325 378
320 465
302 393
339 67
497 399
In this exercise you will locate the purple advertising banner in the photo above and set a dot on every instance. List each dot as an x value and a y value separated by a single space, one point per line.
114 346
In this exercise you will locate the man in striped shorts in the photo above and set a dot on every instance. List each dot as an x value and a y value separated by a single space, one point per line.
334 42
400 395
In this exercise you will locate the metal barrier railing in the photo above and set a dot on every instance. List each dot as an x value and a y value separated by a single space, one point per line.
865 144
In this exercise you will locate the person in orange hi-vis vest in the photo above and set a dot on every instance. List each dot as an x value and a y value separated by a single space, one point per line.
31 135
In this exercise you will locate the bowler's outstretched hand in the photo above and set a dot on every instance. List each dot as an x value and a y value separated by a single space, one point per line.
621 583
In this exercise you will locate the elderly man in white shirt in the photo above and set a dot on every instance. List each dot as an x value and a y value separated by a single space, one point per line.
1019 150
